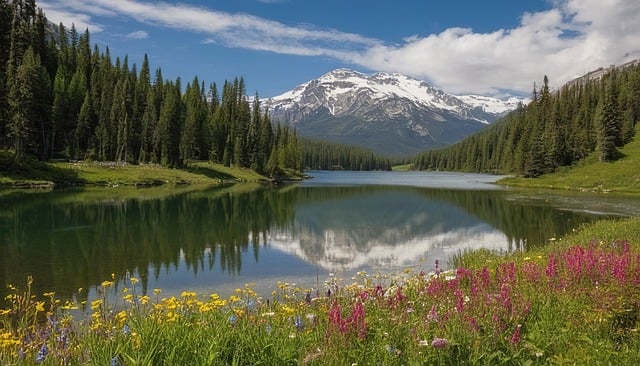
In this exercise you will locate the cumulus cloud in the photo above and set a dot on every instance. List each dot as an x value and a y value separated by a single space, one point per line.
573 37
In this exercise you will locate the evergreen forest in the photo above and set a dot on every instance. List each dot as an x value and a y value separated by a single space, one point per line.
322 155
61 99
595 114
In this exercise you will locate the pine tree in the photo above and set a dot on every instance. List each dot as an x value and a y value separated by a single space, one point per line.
23 103
6 11
608 125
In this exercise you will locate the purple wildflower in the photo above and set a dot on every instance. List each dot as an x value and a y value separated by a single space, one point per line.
439 343
42 353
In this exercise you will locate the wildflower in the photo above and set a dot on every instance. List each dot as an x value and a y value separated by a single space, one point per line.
42 353
268 328
311 318
433 314
157 291
95 305
439 343
115 361
297 321
40 306
515 338
143 299
232 319
423 343
126 330
392 350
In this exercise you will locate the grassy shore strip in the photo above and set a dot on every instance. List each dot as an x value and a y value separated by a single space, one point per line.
35 174
620 176
562 304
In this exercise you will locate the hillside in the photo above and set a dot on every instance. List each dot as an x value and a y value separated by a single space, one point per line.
593 117
620 176
31 173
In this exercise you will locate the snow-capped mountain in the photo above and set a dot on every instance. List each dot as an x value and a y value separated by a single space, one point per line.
390 113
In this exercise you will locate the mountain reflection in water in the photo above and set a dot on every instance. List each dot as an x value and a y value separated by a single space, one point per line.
223 237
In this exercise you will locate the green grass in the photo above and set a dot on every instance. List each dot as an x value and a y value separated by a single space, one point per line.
621 176
402 168
35 173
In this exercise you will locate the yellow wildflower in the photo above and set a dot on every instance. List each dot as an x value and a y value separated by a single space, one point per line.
40 306
96 304
234 298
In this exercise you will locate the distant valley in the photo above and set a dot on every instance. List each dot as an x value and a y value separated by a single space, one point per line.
391 114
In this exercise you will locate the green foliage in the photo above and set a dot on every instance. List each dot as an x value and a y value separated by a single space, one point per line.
66 102
556 129
591 174
319 155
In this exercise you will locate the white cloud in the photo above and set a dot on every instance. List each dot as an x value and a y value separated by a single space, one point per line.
64 13
138 35
573 37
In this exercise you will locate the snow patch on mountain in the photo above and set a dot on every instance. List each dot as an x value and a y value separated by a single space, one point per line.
342 89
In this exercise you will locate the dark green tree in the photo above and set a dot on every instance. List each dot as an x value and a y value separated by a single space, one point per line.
608 123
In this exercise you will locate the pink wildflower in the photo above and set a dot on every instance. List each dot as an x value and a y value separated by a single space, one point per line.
439 343
515 338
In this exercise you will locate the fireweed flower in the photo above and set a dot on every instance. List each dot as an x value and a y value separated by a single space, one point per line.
433 315
515 338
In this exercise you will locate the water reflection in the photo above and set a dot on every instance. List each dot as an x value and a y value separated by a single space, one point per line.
222 236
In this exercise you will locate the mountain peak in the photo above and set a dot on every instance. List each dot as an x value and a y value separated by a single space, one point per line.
361 102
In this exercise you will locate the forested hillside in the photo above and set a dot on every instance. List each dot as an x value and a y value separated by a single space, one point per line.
321 155
61 99
557 128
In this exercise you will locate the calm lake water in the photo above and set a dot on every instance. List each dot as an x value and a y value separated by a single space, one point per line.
217 239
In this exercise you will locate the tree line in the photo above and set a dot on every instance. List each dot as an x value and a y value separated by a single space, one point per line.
322 155
589 115
61 99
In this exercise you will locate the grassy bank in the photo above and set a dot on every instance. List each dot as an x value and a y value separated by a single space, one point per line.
576 301
32 173
620 176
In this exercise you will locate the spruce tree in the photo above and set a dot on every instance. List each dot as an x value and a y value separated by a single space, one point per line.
23 103
608 125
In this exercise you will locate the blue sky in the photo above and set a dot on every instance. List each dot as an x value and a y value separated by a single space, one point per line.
486 47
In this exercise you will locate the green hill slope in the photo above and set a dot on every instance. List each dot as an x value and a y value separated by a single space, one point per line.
622 175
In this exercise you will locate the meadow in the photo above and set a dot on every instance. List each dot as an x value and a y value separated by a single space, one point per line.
575 301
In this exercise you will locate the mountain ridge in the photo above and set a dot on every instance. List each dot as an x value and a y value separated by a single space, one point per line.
388 112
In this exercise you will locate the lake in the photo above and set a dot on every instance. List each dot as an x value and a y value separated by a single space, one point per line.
219 238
